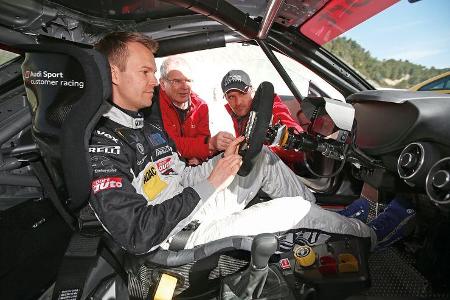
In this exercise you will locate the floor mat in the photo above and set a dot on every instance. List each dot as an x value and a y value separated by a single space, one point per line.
394 275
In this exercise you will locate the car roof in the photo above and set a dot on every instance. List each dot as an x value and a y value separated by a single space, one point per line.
296 28
83 21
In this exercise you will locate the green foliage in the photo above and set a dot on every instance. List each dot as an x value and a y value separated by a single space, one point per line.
390 73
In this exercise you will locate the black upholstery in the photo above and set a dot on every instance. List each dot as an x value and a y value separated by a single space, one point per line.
63 119
66 88
65 107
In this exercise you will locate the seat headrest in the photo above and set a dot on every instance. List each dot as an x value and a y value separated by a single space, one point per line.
66 87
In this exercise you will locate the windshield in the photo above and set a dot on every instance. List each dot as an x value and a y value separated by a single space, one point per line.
6 56
208 72
402 46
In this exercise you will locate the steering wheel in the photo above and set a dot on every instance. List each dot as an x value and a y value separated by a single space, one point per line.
256 129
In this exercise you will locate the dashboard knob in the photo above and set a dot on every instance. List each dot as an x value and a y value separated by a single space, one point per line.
408 161
415 161
441 180
438 183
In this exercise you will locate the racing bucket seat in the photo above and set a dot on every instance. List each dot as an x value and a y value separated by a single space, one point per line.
68 87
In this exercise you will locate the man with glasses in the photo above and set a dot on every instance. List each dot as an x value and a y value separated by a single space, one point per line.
185 114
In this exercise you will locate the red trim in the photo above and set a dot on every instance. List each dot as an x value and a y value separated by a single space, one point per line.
338 16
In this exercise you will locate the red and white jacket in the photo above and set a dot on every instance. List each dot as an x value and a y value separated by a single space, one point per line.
191 136
280 113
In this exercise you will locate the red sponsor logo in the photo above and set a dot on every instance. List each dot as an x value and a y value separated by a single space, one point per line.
163 164
285 264
106 183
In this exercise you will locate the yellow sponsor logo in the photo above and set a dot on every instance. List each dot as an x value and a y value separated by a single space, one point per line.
153 185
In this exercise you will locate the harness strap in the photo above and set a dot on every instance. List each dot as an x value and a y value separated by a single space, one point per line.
78 261
180 239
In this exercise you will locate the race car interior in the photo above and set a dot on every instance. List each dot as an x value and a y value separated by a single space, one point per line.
54 92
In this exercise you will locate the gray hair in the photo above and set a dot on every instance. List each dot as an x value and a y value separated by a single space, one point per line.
175 62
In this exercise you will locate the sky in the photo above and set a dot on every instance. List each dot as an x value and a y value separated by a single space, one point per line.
418 32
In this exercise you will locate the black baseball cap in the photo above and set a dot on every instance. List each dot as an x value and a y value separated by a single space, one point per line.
236 80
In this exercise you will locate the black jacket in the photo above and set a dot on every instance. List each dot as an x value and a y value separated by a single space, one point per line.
142 192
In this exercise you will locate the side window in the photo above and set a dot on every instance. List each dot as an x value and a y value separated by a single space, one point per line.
308 82
440 84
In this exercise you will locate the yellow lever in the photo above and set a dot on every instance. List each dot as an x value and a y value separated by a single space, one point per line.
166 287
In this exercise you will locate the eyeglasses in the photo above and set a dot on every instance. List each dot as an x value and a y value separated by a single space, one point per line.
179 82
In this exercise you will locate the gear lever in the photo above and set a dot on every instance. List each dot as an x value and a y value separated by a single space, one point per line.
249 283
263 246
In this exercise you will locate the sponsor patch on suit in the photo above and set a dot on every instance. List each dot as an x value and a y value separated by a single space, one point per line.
99 161
164 164
104 149
156 139
162 151
106 183
152 184
107 135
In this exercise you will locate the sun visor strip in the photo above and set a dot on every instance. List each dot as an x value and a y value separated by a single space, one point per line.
223 12
11 37
191 43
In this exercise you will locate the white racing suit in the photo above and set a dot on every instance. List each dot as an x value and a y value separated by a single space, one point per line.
144 194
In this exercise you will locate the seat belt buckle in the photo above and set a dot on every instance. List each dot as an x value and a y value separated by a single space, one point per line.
88 223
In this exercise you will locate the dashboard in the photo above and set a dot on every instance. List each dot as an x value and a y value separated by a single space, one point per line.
410 132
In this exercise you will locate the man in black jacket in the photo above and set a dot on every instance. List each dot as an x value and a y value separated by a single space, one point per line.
144 194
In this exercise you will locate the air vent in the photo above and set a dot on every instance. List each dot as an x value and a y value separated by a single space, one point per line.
415 161
438 182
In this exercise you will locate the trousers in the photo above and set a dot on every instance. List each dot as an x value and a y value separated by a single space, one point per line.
292 207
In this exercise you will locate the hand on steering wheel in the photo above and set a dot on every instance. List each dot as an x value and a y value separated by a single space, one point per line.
256 130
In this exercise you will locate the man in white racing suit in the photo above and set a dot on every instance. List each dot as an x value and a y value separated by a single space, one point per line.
144 194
